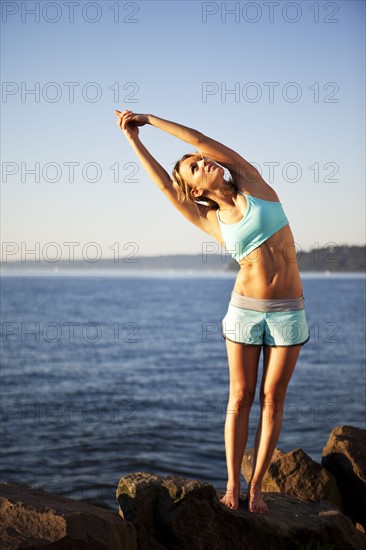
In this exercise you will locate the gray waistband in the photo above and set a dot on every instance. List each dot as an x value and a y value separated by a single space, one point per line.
256 304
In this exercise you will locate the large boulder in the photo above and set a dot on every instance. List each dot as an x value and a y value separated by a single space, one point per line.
296 474
345 457
174 513
33 519
247 464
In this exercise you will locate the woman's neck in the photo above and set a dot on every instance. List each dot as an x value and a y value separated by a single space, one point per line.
225 198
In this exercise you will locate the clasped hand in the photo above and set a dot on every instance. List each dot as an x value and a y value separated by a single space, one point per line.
129 122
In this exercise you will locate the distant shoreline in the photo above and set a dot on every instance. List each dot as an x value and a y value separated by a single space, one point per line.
165 273
327 260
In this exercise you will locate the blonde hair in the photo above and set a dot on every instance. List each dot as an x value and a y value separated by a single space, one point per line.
184 188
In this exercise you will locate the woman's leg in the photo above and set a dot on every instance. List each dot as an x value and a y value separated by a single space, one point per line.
243 368
278 366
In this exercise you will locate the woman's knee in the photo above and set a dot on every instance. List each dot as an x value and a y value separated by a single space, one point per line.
241 398
272 401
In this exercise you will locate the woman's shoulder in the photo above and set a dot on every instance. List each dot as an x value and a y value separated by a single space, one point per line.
262 191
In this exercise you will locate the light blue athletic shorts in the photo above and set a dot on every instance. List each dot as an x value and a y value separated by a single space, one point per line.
255 321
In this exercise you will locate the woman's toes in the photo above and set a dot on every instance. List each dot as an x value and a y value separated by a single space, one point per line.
230 499
256 502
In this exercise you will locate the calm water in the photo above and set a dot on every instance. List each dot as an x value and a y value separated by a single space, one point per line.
103 376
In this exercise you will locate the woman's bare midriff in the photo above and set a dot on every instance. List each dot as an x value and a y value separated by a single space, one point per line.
271 270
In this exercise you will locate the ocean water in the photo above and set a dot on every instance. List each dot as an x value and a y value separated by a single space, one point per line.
103 376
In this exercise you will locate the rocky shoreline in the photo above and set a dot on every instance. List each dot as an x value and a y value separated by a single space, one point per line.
311 506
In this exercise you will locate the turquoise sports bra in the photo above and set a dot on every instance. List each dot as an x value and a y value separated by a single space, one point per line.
262 219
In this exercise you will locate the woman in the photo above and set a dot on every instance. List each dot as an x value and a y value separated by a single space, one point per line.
266 309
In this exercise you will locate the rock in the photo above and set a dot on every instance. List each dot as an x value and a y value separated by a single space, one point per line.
345 457
247 463
34 519
174 513
296 474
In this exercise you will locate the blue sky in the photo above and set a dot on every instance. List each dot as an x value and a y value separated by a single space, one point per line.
179 61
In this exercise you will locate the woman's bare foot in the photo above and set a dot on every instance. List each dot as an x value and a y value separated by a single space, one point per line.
231 497
255 500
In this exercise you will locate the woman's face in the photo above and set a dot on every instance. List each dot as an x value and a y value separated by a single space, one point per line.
201 173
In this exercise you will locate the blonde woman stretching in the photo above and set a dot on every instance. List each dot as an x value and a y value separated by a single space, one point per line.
266 310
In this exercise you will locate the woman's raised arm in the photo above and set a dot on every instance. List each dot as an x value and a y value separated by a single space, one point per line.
196 214
207 146
152 167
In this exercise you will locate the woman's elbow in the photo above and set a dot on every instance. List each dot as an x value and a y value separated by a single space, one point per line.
201 139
